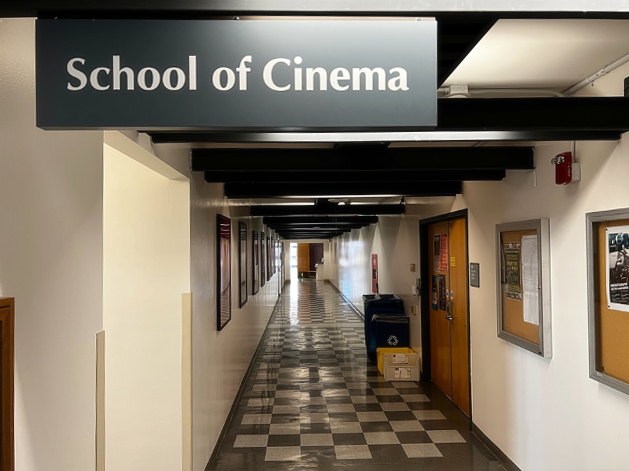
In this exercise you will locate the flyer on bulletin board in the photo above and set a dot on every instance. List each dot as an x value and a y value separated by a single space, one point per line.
617 278
513 289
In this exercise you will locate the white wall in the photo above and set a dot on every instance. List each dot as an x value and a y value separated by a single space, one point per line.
220 359
546 414
395 239
51 262
146 270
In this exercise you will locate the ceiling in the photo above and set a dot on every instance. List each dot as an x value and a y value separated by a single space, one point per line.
552 54
289 177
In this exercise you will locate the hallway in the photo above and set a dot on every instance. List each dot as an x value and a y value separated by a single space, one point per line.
312 400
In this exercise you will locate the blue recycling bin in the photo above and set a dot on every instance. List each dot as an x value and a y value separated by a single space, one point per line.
381 304
391 331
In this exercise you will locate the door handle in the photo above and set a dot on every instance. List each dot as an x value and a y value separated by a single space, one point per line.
449 317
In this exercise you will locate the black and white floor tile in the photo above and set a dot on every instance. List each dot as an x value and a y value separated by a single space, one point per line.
314 401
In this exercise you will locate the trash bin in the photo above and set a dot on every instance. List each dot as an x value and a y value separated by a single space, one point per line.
391 331
383 304
319 267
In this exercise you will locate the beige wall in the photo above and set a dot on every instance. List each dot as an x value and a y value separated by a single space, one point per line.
219 359
146 270
546 414
51 262
396 241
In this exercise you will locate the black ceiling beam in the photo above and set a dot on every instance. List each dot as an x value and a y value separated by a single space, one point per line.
400 159
199 9
310 233
331 190
321 136
586 113
366 220
318 227
354 176
320 210
456 37
470 119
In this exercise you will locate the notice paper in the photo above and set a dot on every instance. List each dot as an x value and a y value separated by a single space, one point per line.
617 273
530 279
400 359
513 288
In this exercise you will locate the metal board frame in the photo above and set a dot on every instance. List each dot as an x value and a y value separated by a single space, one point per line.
542 227
591 241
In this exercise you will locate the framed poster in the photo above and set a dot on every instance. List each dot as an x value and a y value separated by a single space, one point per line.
224 307
242 262
523 284
256 263
262 259
608 297
268 258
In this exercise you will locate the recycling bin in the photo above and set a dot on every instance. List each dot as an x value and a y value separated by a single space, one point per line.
391 331
380 304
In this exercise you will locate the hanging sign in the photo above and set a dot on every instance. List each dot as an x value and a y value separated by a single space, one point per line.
236 75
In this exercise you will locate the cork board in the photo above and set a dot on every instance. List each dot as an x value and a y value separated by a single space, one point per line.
612 325
512 289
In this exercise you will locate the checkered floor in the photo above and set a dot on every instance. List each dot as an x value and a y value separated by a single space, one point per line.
313 400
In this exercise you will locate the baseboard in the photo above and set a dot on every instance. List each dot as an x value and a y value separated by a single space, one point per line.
241 390
351 304
504 459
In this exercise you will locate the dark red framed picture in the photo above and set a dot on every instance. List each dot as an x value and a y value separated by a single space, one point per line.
224 308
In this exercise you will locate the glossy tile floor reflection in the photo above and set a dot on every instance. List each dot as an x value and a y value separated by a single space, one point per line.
314 401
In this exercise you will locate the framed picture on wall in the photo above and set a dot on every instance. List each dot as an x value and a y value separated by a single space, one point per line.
268 258
523 284
256 263
262 259
273 266
242 263
608 297
224 307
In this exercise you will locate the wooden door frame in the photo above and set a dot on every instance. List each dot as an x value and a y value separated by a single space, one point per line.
7 331
424 270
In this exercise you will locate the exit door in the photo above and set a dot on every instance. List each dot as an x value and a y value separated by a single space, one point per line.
449 352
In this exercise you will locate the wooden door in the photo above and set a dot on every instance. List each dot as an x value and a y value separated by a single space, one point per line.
449 328
6 385
440 348
459 310
303 258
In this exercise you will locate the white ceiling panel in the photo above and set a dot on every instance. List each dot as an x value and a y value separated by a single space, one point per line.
542 53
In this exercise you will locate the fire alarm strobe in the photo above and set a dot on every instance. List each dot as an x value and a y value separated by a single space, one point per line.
566 169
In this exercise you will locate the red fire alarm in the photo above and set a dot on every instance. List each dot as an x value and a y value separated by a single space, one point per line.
566 169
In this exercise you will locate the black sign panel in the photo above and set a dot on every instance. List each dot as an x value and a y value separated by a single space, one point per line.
247 75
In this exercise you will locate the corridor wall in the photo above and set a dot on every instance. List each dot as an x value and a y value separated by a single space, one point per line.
396 241
146 235
51 261
546 414
219 359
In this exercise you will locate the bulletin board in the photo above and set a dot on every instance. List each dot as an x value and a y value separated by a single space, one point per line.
608 297
523 284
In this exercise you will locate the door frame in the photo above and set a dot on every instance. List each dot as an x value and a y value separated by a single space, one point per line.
424 249
7 329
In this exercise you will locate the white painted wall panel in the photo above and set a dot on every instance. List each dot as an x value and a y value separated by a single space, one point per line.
146 271
51 262
546 414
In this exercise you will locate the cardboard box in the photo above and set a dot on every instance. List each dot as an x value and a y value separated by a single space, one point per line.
401 367
387 350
